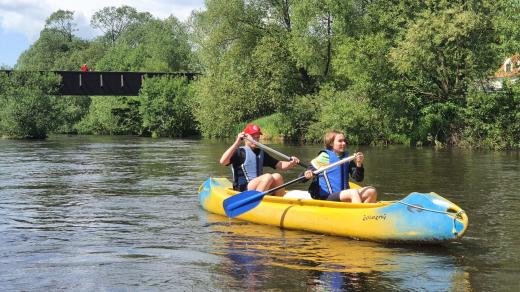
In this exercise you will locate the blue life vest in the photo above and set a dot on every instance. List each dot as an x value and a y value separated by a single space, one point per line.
249 170
336 179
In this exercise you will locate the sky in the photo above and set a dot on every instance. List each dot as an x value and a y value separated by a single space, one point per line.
22 20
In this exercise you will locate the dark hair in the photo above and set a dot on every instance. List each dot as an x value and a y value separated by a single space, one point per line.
329 138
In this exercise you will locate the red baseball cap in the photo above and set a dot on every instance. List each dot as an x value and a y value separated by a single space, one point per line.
252 129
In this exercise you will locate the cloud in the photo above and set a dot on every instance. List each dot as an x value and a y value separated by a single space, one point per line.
28 16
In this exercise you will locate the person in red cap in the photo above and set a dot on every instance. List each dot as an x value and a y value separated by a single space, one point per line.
248 161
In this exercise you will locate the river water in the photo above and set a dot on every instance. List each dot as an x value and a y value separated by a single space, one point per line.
121 213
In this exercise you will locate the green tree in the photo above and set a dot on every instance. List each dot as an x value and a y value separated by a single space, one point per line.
165 107
249 69
346 111
493 119
28 104
109 115
446 49
113 21
57 48
311 32
62 21
157 45
506 20
219 103
70 110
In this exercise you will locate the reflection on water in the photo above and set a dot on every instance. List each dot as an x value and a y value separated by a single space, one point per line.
257 253
121 213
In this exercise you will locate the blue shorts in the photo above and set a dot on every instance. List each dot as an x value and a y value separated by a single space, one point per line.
334 197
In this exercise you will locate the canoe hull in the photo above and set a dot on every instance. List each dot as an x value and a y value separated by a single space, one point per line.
417 218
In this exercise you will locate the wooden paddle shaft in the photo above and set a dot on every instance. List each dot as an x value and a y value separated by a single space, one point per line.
269 149
316 172
344 160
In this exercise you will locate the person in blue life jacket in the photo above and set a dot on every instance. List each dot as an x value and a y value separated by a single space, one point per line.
248 161
332 185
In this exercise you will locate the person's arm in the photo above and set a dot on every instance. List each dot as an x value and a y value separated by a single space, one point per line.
226 157
356 169
277 164
321 160
309 173
284 165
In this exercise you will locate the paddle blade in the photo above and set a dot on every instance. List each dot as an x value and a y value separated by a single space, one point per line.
242 202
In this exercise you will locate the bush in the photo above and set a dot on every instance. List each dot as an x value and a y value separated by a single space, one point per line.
220 103
109 115
440 123
28 106
270 126
71 110
493 119
345 111
297 117
165 107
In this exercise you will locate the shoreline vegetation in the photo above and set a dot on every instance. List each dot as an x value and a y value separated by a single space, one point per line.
415 74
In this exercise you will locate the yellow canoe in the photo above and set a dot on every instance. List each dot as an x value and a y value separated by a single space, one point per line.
418 217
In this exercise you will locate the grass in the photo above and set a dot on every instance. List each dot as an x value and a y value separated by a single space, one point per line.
270 126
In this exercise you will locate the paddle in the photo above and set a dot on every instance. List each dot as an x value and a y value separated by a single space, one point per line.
245 201
269 149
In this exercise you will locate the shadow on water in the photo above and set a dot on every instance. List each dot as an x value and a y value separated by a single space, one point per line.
263 257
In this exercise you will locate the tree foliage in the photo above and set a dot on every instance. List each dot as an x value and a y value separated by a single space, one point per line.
493 119
57 48
113 21
28 105
109 115
384 71
165 107
248 64
62 21
157 45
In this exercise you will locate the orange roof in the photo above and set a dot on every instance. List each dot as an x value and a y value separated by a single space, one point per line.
514 70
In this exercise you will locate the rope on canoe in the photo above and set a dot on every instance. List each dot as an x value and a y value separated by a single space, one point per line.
422 208
457 215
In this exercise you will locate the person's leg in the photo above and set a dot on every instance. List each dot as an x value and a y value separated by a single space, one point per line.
277 181
350 195
261 183
368 194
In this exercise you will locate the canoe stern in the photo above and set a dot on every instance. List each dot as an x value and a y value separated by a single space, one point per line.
427 217
212 193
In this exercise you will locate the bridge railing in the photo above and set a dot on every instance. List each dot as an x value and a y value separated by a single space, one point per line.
106 83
